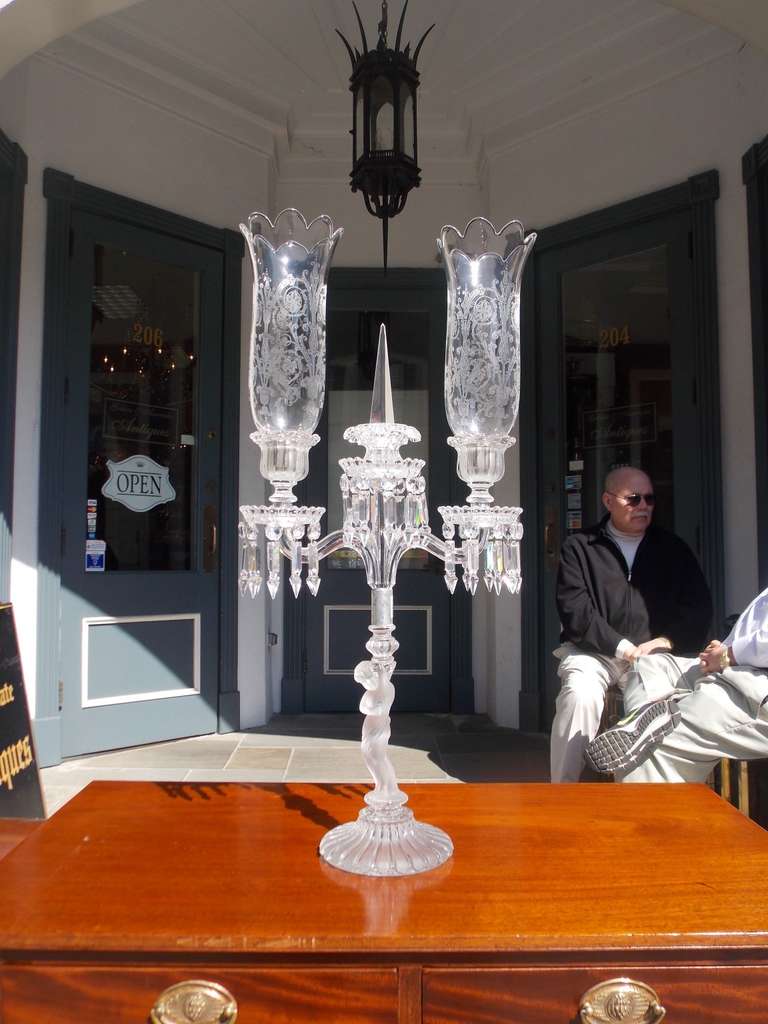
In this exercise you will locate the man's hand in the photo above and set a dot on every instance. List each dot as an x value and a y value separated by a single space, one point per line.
659 643
712 657
629 653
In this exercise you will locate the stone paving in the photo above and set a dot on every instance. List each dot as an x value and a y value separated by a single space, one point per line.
318 748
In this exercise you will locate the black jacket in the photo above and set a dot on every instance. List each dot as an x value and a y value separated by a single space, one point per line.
600 602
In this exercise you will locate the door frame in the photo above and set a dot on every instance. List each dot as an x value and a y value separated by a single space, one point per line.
429 285
696 196
65 194
13 166
754 166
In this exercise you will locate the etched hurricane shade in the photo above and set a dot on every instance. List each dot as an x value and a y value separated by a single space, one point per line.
484 268
290 260
286 371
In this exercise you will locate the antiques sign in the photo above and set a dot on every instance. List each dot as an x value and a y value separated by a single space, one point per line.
622 425
139 483
129 421
20 794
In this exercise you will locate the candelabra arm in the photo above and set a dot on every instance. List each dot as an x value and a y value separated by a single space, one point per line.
432 544
330 543
325 546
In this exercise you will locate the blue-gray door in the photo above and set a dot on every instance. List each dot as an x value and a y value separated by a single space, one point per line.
617 386
13 176
433 629
140 567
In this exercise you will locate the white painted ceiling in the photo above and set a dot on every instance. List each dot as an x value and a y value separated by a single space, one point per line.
274 74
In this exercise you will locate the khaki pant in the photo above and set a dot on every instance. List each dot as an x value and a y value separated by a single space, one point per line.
585 679
722 715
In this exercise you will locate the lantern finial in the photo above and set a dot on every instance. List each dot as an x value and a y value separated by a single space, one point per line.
382 44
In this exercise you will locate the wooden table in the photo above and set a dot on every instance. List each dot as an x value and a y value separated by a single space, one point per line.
13 831
135 887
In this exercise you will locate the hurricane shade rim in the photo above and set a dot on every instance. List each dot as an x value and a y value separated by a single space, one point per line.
451 237
333 235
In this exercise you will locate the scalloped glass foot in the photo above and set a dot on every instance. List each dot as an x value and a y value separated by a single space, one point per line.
387 844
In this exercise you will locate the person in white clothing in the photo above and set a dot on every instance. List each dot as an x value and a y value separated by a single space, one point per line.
716 706
624 588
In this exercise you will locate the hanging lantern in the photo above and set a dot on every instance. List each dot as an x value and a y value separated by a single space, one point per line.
384 83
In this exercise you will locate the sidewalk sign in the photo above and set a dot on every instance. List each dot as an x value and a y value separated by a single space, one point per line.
20 792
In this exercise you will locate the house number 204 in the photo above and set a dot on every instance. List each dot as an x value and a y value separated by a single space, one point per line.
614 337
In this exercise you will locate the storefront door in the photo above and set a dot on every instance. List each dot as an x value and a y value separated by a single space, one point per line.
13 176
619 383
433 629
142 451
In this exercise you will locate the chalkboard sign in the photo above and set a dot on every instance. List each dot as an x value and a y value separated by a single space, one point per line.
20 793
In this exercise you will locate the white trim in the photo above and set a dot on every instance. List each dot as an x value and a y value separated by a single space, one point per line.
328 608
131 698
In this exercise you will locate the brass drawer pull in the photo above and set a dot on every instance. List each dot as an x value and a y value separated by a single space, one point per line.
621 1001
194 1002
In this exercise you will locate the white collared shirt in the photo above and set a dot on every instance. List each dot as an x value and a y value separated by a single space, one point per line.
749 637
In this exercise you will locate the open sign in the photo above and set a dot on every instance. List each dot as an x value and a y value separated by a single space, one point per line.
139 483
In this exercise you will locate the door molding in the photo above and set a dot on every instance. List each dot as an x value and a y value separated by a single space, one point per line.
425 281
696 196
755 176
13 168
66 194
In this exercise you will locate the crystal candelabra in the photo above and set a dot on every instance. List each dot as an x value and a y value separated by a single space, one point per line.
383 494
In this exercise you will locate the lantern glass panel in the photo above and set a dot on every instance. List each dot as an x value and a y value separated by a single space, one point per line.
357 142
382 115
408 126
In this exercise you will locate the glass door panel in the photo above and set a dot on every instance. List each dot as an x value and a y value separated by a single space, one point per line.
142 427
615 387
618 380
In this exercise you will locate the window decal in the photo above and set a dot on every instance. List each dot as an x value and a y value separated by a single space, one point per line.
139 483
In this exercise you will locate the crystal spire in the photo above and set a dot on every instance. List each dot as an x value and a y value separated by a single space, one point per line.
382 410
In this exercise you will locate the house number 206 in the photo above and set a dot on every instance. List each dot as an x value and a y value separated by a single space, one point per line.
147 335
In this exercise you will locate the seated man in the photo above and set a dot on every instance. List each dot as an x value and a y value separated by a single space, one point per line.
719 709
624 588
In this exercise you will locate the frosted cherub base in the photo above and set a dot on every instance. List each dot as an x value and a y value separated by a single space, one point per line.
385 840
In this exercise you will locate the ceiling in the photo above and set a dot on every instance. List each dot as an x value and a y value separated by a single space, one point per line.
274 75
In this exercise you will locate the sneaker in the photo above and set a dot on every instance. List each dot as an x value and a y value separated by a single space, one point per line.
623 745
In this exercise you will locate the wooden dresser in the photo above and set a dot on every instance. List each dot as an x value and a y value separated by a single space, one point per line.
133 888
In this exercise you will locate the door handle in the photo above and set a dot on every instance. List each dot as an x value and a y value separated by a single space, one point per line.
548 545
550 538
211 532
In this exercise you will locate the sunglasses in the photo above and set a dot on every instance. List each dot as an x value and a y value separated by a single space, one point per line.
633 500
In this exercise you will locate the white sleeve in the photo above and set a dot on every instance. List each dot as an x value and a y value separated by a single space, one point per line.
749 637
622 647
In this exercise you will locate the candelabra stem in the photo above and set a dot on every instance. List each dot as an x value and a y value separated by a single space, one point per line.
386 839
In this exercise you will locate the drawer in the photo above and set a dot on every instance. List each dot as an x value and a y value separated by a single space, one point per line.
690 995
96 995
